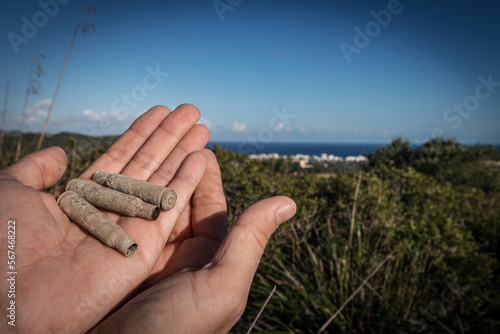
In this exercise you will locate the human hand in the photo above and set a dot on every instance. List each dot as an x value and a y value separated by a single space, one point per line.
184 287
67 281
202 280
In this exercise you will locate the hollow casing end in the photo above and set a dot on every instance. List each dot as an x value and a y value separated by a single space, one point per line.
168 199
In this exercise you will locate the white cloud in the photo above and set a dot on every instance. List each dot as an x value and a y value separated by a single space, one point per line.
85 121
42 104
362 132
114 115
119 116
239 127
301 129
383 133
281 126
207 123
92 115
36 113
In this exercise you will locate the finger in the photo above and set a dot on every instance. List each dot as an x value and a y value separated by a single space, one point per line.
186 180
193 253
194 140
41 169
122 151
209 203
199 232
239 255
206 224
162 141
184 227
184 184
192 245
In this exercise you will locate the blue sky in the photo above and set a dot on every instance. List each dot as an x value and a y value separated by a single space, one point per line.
296 70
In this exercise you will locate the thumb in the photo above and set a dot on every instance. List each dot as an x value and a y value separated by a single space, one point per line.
239 255
40 169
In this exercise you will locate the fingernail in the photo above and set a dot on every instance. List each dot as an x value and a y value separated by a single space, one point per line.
285 212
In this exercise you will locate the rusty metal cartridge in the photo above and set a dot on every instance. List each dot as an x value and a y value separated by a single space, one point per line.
148 192
113 200
96 223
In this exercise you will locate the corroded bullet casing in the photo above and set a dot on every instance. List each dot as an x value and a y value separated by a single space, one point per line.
96 223
113 200
148 192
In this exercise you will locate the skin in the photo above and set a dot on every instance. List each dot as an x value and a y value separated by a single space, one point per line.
189 274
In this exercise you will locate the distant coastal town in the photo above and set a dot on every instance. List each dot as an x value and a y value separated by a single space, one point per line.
305 160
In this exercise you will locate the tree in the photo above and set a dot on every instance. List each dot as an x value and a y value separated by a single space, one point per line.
398 154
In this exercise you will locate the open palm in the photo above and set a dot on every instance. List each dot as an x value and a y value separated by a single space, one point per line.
69 282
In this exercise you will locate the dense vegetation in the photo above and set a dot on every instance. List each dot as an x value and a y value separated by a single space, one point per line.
409 244
433 211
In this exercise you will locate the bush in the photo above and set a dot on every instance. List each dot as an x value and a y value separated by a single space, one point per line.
441 277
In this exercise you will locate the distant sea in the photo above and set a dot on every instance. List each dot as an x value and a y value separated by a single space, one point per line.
341 150
338 149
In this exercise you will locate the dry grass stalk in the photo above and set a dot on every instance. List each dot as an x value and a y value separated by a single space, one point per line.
261 310
356 292
353 213
2 134
32 88
84 27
